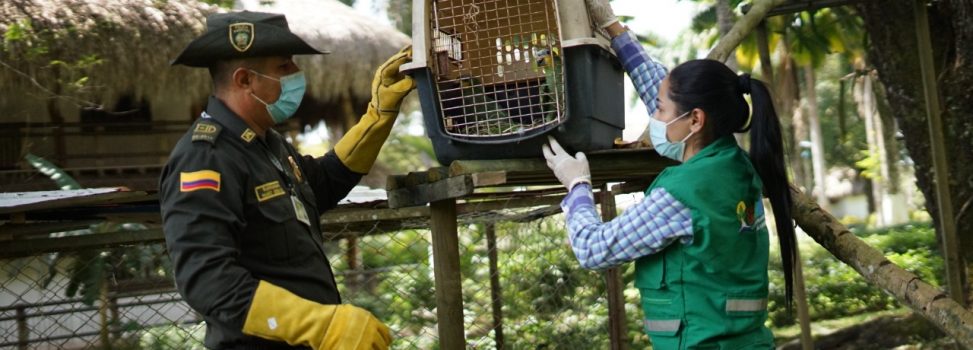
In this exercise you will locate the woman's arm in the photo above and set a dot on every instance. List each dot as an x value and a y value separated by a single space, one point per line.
644 229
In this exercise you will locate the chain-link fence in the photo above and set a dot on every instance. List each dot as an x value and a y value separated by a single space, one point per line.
522 289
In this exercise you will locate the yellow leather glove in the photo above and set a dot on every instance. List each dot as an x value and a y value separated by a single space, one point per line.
360 145
280 315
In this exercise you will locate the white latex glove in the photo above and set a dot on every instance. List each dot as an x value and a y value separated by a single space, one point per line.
569 170
601 13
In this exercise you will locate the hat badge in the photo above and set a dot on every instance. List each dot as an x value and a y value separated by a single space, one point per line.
241 36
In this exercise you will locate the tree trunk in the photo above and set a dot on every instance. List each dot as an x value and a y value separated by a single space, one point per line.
893 53
817 144
869 113
724 22
788 97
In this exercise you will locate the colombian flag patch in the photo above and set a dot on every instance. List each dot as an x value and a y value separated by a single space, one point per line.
199 180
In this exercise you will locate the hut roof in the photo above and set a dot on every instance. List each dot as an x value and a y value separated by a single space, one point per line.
130 41
133 42
357 43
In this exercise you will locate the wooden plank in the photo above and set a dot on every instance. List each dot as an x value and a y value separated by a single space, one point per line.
491 178
453 187
937 145
446 269
28 247
416 178
12 202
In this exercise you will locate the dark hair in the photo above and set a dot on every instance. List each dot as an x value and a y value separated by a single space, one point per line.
711 86
222 71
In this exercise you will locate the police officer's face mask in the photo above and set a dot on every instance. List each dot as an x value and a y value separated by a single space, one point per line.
292 88
657 134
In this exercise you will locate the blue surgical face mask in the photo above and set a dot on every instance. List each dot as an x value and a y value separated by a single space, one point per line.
657 134
291 93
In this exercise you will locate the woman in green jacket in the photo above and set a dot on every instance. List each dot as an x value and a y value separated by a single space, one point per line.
698 237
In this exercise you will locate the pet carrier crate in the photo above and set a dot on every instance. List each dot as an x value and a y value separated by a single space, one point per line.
496 76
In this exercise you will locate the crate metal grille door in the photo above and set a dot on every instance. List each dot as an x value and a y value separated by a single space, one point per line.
498 67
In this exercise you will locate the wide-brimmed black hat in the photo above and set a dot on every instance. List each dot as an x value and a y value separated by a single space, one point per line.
241 35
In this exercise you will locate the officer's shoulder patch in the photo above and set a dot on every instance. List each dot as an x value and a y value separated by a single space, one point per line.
206 131
199 180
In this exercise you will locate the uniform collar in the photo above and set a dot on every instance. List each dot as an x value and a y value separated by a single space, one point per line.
233 124
720 144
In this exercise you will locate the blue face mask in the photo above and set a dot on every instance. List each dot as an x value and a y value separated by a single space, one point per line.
657 134
291 93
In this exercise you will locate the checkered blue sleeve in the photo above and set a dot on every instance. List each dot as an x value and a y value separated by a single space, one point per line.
645 228
646 73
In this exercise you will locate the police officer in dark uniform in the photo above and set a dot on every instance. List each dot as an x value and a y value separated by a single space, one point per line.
240 205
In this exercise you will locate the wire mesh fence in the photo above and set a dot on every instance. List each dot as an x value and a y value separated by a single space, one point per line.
522 289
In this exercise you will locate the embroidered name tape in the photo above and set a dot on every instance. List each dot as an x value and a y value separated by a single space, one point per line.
269 191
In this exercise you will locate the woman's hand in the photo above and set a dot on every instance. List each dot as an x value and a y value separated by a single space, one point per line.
569 170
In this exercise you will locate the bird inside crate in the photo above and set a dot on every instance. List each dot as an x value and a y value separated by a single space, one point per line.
490 73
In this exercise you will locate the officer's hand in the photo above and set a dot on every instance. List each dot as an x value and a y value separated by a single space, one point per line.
389 87
601 13
569 170
355 328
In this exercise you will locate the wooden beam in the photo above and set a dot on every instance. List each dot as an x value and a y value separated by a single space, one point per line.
905 286
793 6
28 247
449 291
453 187
16 231
954 265
742 28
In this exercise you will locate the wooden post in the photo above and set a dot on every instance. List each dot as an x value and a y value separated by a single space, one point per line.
116 328
800 297
954 266
103 333
351 256
22 333
613 282
495 293
449 293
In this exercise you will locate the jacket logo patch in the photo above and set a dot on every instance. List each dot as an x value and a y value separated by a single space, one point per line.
269 191
199 180
241 36
746 217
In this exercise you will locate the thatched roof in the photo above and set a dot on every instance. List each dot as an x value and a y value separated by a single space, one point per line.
357 43
133 39
136 39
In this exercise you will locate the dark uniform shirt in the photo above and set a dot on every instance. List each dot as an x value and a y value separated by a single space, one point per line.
232 209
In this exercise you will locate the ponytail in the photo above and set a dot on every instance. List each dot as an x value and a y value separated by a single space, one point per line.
767 155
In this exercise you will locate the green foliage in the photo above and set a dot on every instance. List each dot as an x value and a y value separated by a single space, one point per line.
835 290
34 54
61 178
227 4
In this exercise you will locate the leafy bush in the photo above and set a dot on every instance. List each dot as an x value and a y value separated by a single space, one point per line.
835 290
